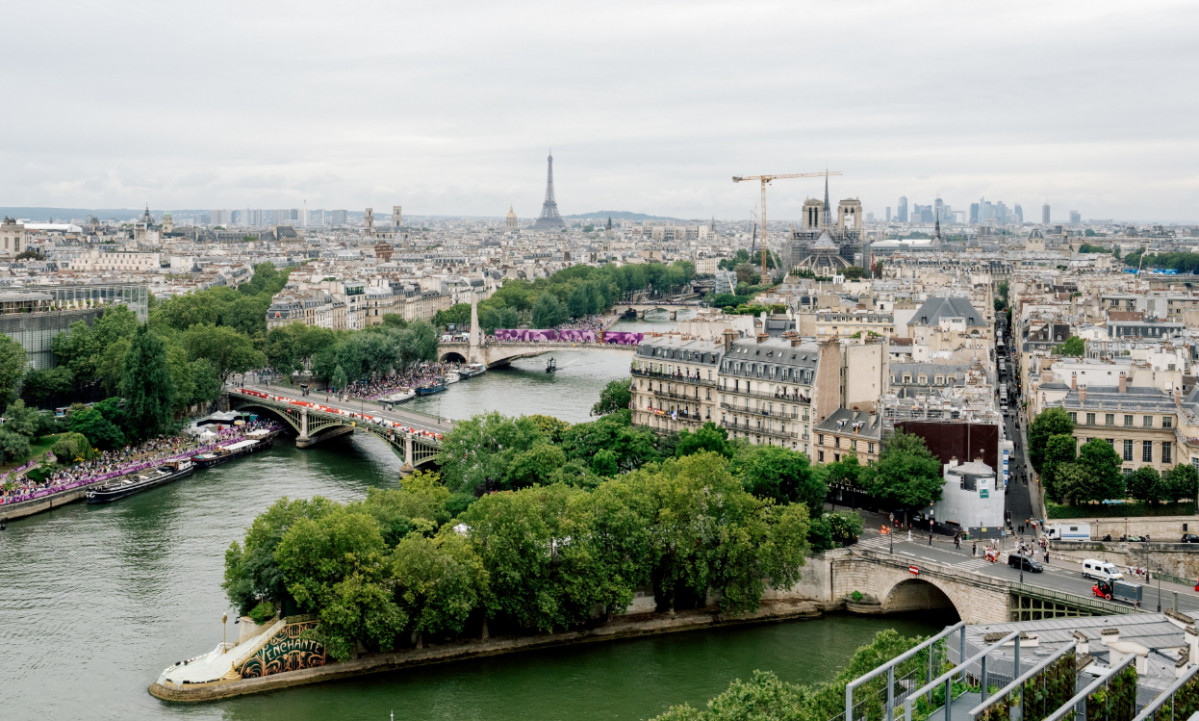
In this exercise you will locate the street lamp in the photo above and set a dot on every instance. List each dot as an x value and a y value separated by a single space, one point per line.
1159 588
225 617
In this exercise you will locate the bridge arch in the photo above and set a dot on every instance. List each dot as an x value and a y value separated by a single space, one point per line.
918 594
452 357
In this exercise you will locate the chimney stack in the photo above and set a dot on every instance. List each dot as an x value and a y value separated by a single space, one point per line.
762 337
1123 382
730 335
1074 379
1082 393
1178 396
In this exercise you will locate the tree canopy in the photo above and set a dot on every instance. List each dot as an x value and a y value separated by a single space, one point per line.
906 474
1049 422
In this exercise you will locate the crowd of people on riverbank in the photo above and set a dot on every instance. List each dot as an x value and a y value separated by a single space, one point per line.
395 382
113 462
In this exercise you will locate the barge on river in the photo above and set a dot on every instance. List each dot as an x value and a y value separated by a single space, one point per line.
255 441
137 482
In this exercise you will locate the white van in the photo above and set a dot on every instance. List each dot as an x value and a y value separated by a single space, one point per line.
1101 570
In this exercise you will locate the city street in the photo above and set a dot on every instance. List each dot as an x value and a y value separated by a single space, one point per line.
1059 575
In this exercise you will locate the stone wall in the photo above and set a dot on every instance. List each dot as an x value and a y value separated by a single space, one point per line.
1176 559
1166 529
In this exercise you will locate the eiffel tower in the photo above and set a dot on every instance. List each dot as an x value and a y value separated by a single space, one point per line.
549 219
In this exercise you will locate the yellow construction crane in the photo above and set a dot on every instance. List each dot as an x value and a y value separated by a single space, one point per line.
766 179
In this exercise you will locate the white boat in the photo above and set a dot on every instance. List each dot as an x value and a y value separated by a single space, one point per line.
404 394
452 377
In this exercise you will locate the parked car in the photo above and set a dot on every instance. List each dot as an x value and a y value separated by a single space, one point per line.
1016 560
1189 538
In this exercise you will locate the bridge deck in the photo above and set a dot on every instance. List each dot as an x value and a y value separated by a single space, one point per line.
350 410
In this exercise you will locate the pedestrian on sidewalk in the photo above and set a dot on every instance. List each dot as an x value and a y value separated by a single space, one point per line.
974 549
930 536
1046 556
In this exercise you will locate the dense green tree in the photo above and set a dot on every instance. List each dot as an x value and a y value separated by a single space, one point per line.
340 380
535 466
780 474
552 428
617 395
1049 422
632 446
1059 449
228 350
1145 484
41 387
1073 346
146 386
604 463
1182 482
71 448
417 344
476 455
1073 482
13 360
708 437
457 315
906 474
111 368
1103 464
22 419
549 312
440 581
834 530
101 432
14 447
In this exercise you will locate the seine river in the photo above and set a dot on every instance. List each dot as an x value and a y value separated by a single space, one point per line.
96 600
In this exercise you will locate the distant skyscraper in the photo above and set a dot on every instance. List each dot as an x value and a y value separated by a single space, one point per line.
1075 217
974 214
549 209
1019 213
338 218
1045 214
888 214
901 210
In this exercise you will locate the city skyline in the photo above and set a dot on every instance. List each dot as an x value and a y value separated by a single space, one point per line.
649 107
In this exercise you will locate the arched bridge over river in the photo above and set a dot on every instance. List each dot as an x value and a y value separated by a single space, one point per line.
895 583
315 420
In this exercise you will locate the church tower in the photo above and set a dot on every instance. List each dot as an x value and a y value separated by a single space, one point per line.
511 222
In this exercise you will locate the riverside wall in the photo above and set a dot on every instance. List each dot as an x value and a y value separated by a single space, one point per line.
624 627
13 511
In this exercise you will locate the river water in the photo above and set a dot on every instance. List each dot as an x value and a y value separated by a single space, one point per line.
524 388
96 600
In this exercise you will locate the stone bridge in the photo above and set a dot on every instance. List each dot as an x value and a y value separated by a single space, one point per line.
890 586
315 422
501 353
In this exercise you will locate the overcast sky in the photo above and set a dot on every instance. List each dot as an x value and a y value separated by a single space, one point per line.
449 107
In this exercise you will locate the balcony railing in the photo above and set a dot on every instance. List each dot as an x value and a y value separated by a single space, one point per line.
761 411
679 377
774 396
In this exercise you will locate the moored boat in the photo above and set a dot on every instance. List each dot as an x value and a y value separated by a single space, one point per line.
255 441
404 394
434 386
137 482
452 377
471 370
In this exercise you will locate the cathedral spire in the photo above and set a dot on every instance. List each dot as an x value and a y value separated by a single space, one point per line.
827 210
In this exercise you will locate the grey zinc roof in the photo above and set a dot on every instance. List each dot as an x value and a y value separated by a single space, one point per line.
936 308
